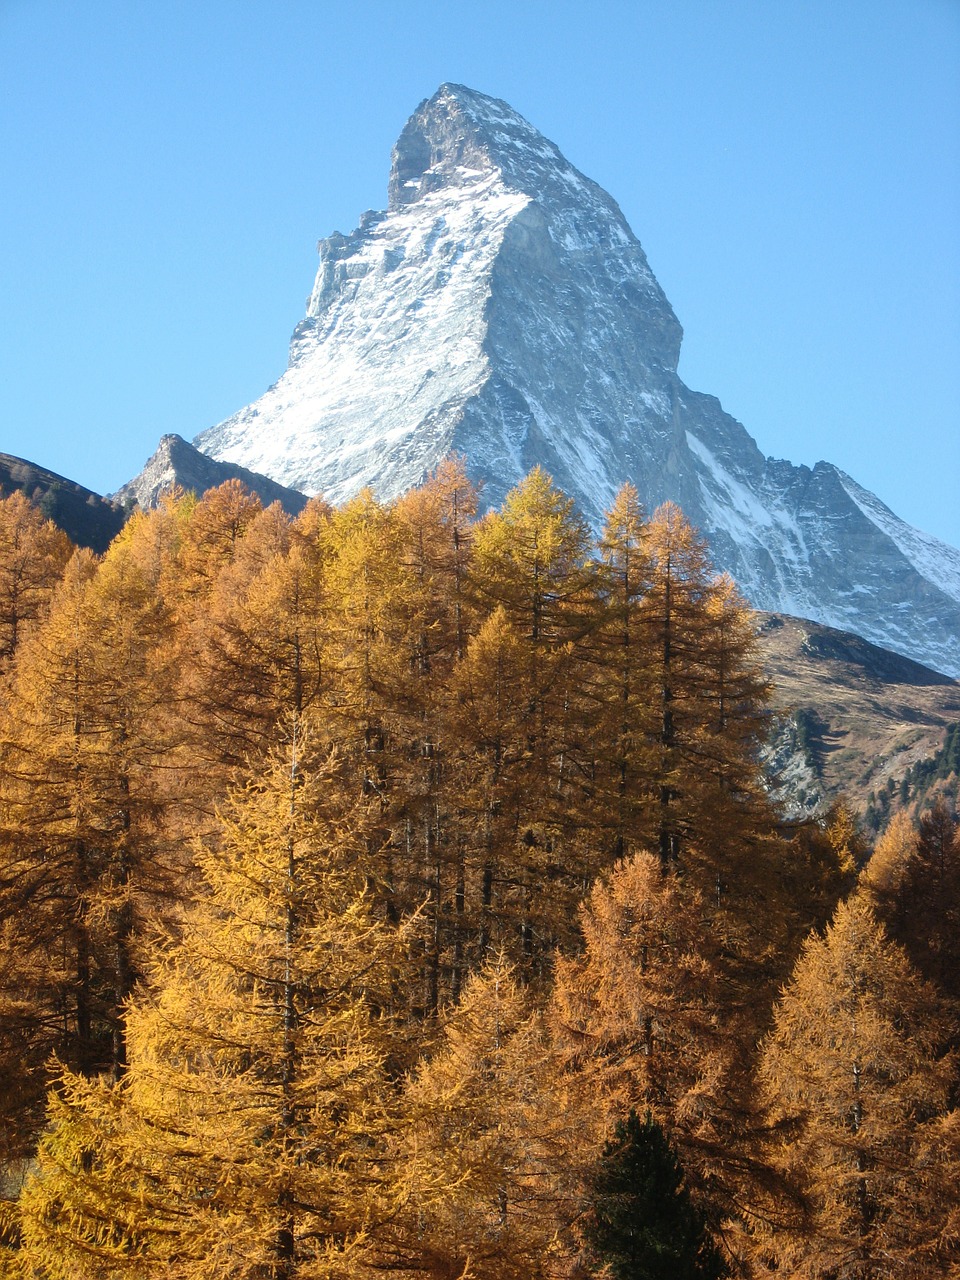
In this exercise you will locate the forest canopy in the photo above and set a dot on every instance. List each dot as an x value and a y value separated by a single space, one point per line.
365 876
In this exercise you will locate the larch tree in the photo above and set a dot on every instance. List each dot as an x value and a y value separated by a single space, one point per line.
246 1137
373 704
734 852
673 668
487 775
674 616
47 993
482 1145
33 556
882 877
706 717
645 1015
85 860
617 681
854 1082
259 656
735 693
211 534
435 523
530 560
694 722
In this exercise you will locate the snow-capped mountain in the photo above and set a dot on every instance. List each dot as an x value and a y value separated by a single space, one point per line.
501 307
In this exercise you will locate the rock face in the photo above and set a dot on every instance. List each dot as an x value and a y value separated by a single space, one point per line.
177 464
502 308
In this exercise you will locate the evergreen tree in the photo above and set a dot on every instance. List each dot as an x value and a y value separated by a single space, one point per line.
642 1224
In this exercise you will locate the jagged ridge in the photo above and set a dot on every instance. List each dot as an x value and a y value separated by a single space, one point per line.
177 464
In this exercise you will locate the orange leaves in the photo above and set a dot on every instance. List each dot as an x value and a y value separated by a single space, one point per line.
853 1076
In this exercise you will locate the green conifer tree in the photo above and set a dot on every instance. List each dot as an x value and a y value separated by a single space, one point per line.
642 1223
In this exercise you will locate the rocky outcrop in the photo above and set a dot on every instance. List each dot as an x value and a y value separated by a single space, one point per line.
178 465
502 308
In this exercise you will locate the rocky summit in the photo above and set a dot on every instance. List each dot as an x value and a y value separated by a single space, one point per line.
177 465
502 308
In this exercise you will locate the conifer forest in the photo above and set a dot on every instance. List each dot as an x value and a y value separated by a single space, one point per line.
395 892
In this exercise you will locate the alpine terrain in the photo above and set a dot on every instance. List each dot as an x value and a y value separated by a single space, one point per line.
502 308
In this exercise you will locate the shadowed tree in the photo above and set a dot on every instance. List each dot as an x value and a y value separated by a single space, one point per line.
641 1223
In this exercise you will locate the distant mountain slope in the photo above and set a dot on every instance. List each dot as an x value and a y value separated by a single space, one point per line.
855 719
501 307
87 518
176 464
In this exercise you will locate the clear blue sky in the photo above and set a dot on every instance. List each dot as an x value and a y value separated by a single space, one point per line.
791 168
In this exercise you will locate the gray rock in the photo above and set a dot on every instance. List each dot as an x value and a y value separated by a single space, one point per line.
177 464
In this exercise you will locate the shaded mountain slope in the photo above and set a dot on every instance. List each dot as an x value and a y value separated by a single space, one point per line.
855 719
86 518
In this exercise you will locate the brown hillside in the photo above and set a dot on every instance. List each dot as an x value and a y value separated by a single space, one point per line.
859 714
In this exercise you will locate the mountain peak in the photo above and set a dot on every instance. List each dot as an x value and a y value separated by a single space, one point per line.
459 137
501 308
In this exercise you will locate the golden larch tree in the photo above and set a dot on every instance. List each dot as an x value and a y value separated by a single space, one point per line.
33 556
246 1135
854 1081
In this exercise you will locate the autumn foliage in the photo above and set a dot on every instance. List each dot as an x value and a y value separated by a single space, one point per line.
362 874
